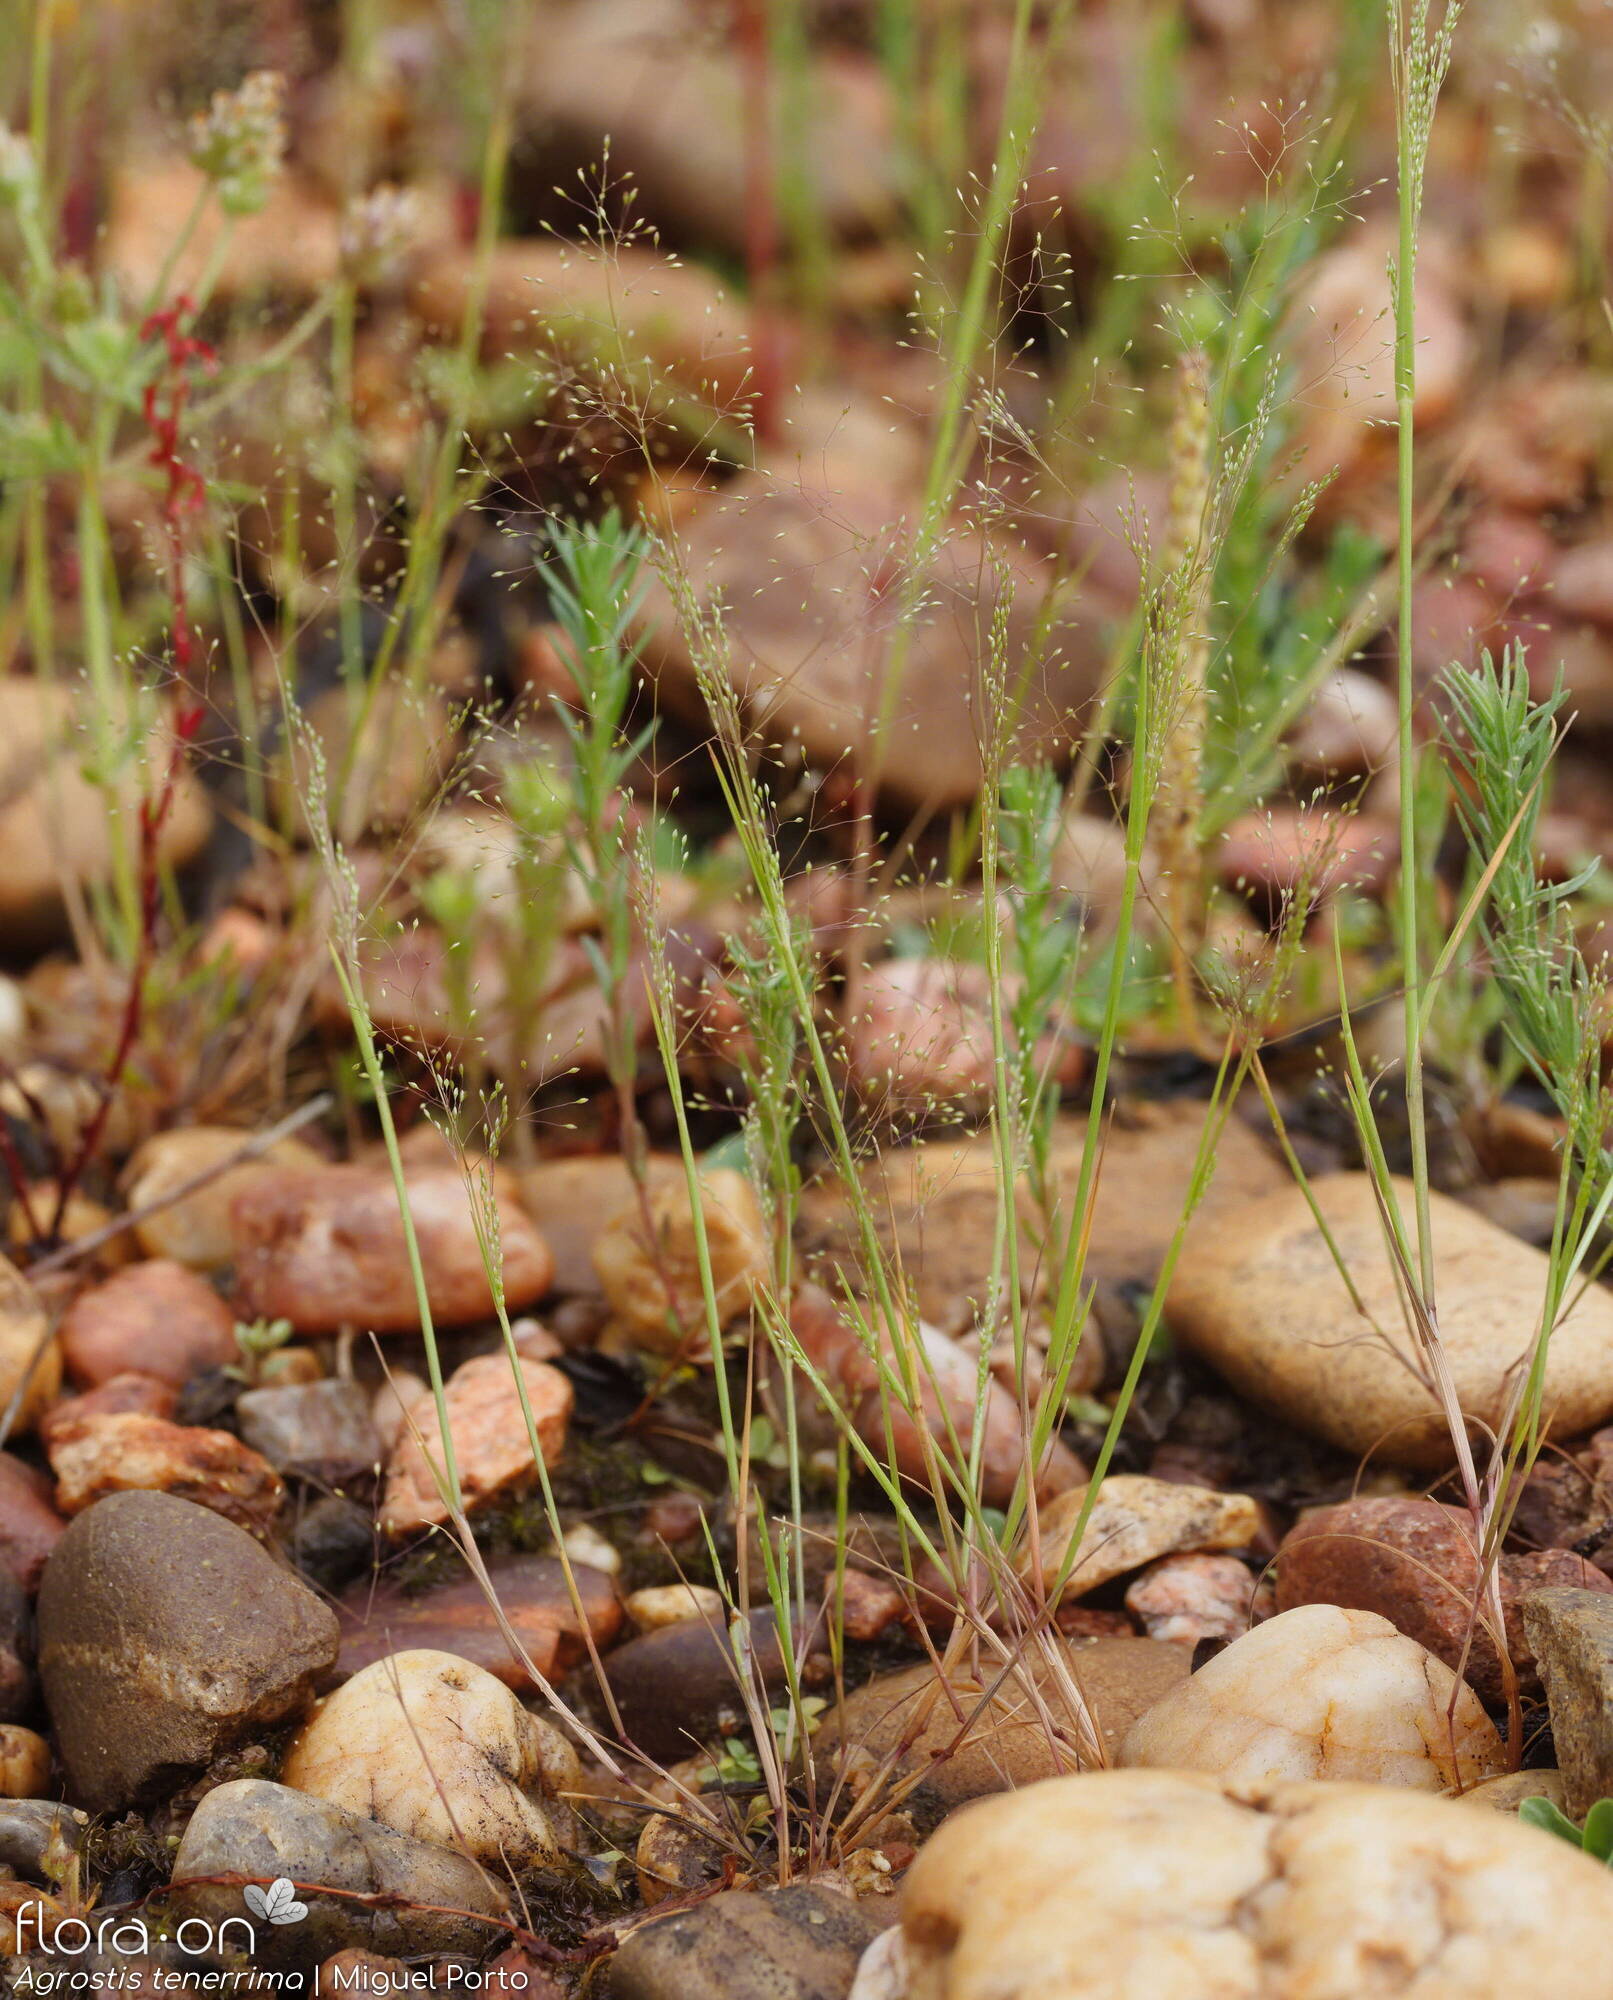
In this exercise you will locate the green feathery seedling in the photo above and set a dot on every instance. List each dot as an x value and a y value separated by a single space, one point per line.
1551 1002
596 589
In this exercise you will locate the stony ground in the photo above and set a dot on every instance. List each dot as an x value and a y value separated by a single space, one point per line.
268 1700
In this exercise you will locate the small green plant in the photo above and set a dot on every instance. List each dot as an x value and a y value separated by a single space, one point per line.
257 1339
739 1763
1594 1838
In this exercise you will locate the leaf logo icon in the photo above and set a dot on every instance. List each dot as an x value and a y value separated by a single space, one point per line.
277 1904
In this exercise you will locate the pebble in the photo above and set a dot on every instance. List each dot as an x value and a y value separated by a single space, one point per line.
81 1216
636 1280
868 1606
1511 555
1584 582
439 1751
289 1368
673 1856
791 563
56 820
379 1618
1453 620
1133 1520
665 1604
1413 1562
541 294
585 1545
331 1540
798 1943
1571 1633
16 1649
214 1643
1508 1792
1263 1302
355 1971
677 1686
1318 1692
1525 1206
118 1396
1281 850
935 1208
492 1445
318 1431
30 1526
1164 1883
1513 1139
1188 1598
94 1456
668 105
13 1020
947 1382
571 1200
1527 266
391 1403
325 1249
290 248
24 1762
960 1740
534 1340
1349 729
1561 1500
23 1325
674 1517
31 1828
157 1318
882 1969
1344 342
195 1229
432 1895
921 1037
1089 866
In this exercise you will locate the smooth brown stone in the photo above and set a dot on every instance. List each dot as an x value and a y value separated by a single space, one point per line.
798 1943
378 1619
1413 1562
157 1318
935 1204
1259 1296
960 1742
167 1634
571 1200
326 1249
30 1526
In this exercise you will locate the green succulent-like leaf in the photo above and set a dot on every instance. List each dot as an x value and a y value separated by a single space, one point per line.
1543 1814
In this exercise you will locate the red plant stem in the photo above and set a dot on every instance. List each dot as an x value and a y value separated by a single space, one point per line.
761 222
186 489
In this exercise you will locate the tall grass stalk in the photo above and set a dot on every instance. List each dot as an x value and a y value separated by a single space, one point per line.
1419 53
1182 776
